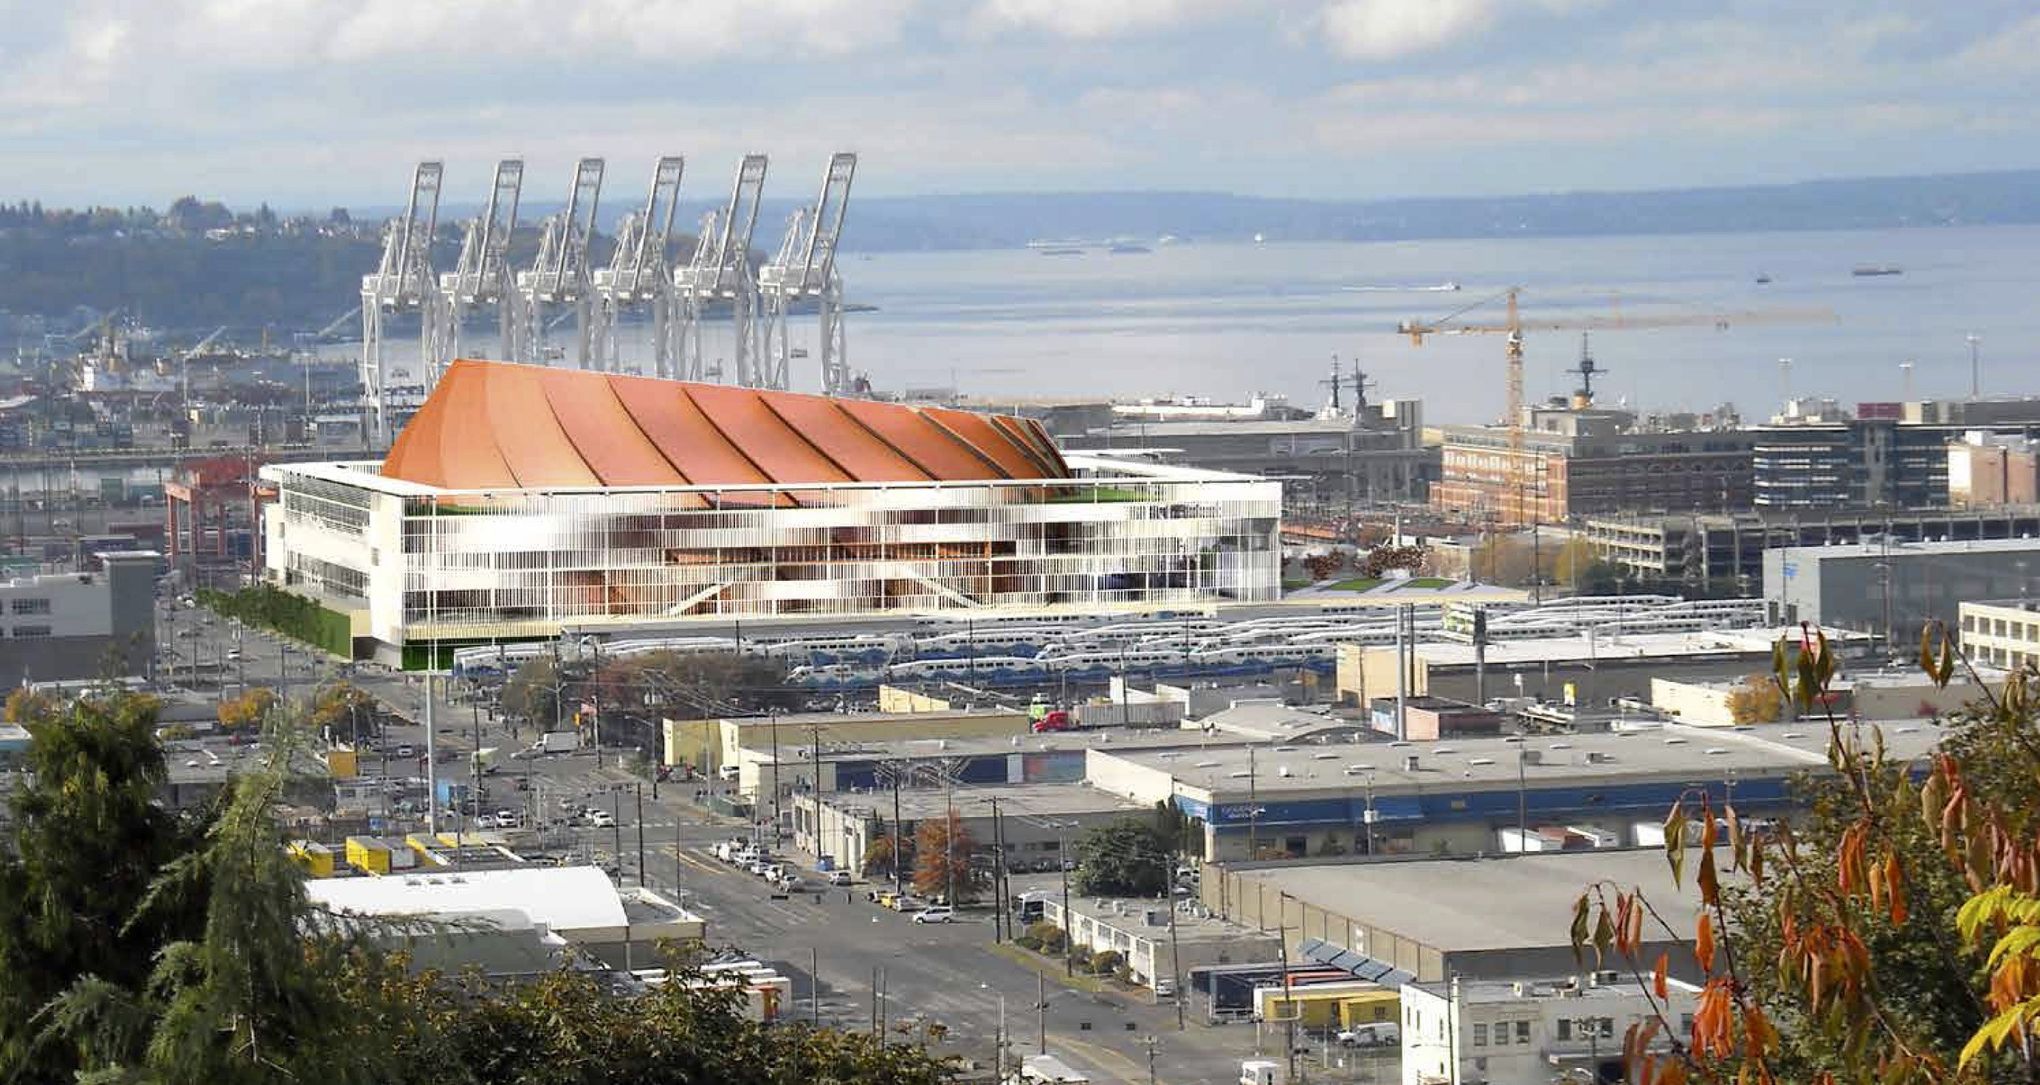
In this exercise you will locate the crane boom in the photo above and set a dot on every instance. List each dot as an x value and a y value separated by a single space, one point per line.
1514 326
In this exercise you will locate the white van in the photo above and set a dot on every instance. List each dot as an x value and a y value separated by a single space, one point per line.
1372 1034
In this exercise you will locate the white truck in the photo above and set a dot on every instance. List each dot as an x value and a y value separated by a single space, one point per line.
558 742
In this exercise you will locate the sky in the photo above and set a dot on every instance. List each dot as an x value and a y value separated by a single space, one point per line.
313 103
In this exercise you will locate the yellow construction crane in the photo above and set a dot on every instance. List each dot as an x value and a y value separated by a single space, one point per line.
1513 325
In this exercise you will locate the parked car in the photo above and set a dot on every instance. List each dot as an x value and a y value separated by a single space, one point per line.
935 915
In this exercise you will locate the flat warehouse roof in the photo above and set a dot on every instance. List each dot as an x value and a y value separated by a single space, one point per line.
1647 749
1015 800
1493 903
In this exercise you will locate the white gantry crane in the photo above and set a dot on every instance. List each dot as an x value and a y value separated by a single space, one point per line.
804 269
560 276
402 283
639 275
483 276
720 271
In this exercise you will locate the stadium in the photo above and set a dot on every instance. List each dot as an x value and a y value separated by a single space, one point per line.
526 502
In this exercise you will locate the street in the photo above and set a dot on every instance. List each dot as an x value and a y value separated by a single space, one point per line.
874 965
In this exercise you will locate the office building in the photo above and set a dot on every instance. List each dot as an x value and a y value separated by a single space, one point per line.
68 627
1887 456
1986 470
1580 461
2003 633
1892 589
524 501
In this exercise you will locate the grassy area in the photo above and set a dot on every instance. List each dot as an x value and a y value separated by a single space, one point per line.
287 613
1292 585
1092 495
1358 583
1428 582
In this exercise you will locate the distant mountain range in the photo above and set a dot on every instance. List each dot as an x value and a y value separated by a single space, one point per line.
900 223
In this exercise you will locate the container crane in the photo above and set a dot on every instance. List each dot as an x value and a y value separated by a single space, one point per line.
561 274
402 283
1513 326
639 274
483 277
804 268
720 270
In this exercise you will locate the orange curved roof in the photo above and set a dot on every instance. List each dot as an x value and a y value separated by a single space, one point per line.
495 425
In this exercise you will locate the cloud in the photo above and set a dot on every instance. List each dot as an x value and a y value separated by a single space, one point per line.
1095 19
1386 29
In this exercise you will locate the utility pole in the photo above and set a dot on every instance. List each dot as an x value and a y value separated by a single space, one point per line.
640 790
899 874
1062 859
775 776
1253 810
1150 1042
1175 962
814 977
616 828
431 751
1975 369
1001 923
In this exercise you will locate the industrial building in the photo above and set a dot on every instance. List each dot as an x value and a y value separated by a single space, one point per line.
1534 1031
1337 799
579 904
1726 553
522 501
1373 454
708 745
1892 589
1584 669
1140 932
1039 823
67 627
2003 633
1499 918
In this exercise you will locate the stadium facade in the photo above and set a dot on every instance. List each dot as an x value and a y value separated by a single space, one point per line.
526 502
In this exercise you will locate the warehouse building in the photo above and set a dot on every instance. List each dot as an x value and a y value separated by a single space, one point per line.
1579 670
523 500
1891 589
1611 789
1039 823
1726 553
2002 633
1496 918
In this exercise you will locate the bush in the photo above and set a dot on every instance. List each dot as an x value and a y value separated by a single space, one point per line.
1048 937
1028 942
1105 961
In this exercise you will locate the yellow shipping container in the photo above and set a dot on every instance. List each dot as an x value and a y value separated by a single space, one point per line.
343 762
314 857
367 854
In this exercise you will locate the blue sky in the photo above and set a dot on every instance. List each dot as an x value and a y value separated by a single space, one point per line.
315 102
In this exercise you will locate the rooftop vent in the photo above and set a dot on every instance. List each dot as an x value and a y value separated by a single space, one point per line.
1411 763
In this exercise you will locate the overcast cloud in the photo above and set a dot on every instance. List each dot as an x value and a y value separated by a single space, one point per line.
314 102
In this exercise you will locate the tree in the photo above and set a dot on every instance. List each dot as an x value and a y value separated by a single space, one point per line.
878 855
343 708
88 842
1889 937
1757 700
942 850
248 711
1570 561
1324 566
1127 858
1382 559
